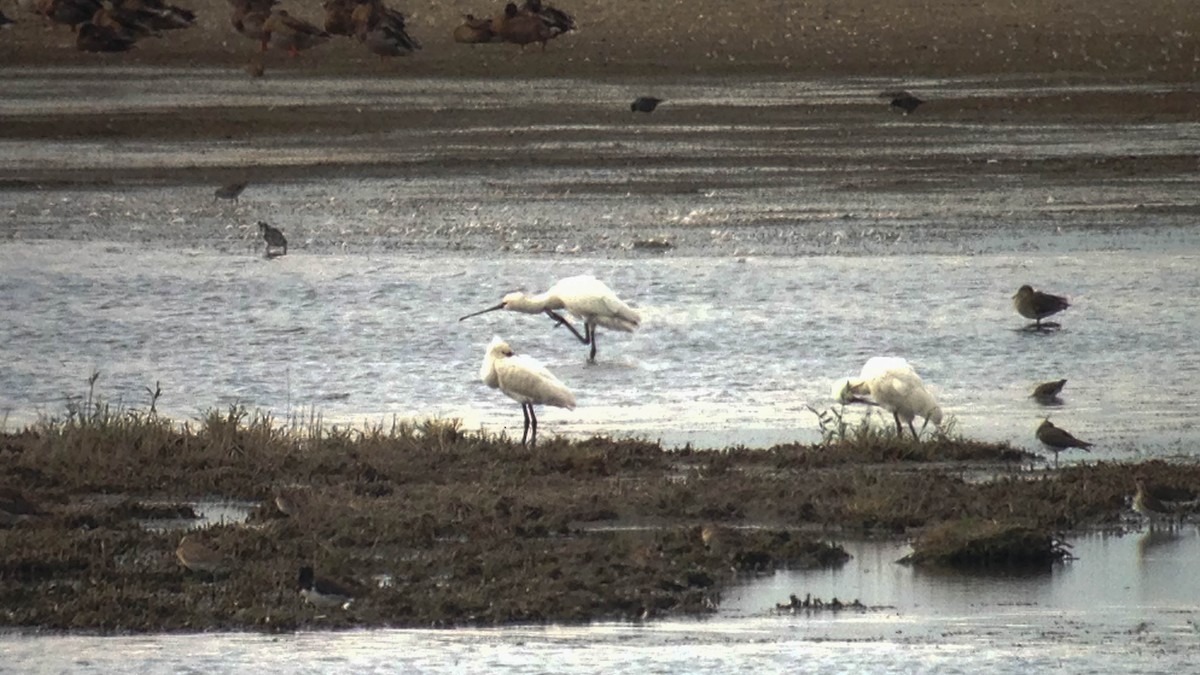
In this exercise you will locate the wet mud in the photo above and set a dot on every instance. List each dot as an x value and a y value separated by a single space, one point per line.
433 526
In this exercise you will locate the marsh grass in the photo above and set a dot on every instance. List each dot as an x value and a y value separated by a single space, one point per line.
975 543
470 527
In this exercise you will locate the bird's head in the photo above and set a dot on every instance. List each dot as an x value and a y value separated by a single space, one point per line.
841 390
1024 291
306 578
498 348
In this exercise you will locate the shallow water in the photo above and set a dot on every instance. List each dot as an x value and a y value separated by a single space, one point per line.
731 350
800 246
807 233
1071 619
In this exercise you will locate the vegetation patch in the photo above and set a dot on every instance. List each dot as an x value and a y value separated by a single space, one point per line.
973 543
437 526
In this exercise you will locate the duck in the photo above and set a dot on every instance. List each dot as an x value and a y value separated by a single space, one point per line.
92 38
1036 305
903 100
519 28
159 15
122 22
284 31
475 31
69 12
556 20
338 16
645 104
382 30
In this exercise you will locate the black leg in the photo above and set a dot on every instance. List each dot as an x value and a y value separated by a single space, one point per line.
913 430
591 333
533 426
560 320
899 429
525 411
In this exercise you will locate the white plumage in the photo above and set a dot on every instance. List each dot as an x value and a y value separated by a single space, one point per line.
585 297
892 384
525 380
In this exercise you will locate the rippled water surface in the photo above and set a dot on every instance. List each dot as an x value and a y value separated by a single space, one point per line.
808 230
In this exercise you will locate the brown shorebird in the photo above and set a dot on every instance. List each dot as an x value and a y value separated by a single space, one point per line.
275 240
903 100
1047 393
323 592
645 104
521 28
231 191
1150 507
291 502
1037 305
475 31
293 35
199 558
1058 439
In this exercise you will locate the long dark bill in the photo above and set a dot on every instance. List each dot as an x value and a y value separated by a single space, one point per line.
482 311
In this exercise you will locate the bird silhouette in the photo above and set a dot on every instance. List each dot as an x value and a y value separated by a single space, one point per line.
1047 393
1059 439
1037 305
645 104
903 100
276 242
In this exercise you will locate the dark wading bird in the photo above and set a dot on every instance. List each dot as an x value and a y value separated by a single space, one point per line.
585 297
231 191
903 100
1037 305
644 104
1058 440
276 242
525 380
1151 507
323 592
1047 393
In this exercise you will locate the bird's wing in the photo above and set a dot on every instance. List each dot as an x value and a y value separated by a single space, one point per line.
526 380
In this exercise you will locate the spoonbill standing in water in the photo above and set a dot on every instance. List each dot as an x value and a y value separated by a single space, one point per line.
894 386
585 297
525 380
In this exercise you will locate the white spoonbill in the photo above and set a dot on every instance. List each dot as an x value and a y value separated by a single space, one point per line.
525 380
893 385
585 297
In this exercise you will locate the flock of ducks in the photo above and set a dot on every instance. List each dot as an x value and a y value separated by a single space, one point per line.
114 25
117 25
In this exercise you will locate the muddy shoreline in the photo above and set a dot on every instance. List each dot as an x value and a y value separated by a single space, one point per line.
436 527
